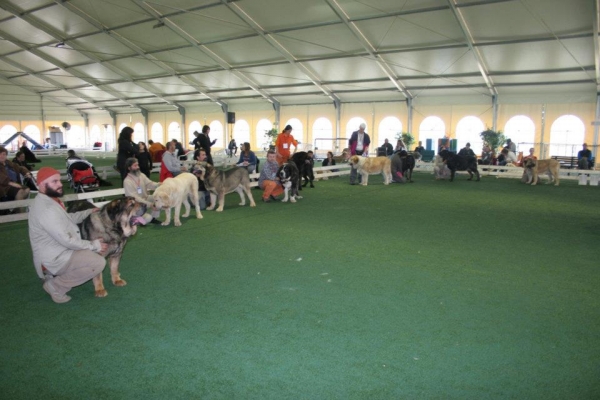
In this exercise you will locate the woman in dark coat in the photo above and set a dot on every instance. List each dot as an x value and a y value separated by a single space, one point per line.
144 159
126 149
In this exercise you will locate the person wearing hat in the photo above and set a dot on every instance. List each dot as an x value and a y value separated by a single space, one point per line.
10 179
359 145
466 151
61 258
137 185
284 141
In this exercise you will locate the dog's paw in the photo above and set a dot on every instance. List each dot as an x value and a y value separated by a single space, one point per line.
299 197
101 293
284 200
220 209
120 282
363 184
293 200
199 216
186 215
177 223
166 223
210 208
252 204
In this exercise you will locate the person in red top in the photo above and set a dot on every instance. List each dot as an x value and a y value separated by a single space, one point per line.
283 143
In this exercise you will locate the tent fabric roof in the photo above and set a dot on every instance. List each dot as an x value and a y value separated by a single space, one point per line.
158 55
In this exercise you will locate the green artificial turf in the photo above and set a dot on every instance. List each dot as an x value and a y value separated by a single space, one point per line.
431 290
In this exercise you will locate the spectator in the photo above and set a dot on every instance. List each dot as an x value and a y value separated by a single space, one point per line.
247 158
179 151
11 187
29 156
60 257
155 147
20 161
203 193
71 155
127 149
206 144
171 162
584 158
232 148
508 157
511 146
400 146
444 144
329 161
420 149
466 151
268 180
137 185
387 148
145 160
486 156
283 143
48 145
196 141
359 145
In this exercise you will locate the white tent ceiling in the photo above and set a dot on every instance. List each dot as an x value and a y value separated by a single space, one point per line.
119 55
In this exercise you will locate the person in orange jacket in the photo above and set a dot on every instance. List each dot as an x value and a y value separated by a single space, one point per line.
283 143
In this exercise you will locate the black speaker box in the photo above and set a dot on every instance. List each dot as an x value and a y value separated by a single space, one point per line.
231 118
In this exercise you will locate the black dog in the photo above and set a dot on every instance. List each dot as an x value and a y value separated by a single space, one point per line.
460 163
408 164
305 162
290 179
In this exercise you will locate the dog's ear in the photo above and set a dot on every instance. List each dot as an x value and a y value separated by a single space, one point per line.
113 209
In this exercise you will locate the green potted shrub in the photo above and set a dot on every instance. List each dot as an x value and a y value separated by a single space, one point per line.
407 138
271 137
493 139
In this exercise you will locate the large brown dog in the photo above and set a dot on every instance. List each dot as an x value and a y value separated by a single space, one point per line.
219 183
113 224
375 165
534 168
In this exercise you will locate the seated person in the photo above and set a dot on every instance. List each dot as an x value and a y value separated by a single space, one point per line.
329 161
268 180
11 187
509 158
486 156
400 146
47 144
203 194
29 156
180 151
420 149
387 149
247 158
171 162
20 161
137 185
584 158
466 151
71 155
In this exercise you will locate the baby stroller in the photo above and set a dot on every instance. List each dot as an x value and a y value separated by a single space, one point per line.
82 177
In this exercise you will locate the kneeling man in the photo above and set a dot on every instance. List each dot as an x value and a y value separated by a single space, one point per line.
61 258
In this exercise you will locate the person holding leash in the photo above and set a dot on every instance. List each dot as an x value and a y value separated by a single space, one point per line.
359 145
61 258
283 143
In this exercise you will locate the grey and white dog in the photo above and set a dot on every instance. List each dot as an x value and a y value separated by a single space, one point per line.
219 183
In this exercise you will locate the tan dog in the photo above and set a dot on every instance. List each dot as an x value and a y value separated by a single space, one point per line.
175 191
376 165
534 168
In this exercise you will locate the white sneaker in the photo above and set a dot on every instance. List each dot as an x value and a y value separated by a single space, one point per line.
56 297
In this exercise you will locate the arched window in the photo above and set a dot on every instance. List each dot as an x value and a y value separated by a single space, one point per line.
262 141
431 128
34 133
566 136
520 130
322 133
138 133
5 133
96 135
75 137
297 131
216 132
353 125
156 133
241 132
389 127
467 131
109 135
174 132
195 126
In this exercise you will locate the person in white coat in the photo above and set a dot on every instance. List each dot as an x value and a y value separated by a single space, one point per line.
61 258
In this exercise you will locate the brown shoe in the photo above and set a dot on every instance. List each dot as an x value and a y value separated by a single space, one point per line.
56 297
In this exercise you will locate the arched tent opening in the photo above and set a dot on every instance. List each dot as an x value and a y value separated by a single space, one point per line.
468 130
431 130
567 134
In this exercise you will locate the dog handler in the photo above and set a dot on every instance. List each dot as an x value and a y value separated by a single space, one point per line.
61 258
283 143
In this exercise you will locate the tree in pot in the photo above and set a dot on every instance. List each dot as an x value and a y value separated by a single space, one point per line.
407 138
493 139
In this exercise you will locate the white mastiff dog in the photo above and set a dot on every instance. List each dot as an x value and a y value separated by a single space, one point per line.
175 191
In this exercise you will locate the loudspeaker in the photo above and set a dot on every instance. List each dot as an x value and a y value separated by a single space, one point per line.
231 118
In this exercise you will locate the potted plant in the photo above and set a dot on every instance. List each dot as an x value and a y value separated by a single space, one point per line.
270 137
407 138
493 139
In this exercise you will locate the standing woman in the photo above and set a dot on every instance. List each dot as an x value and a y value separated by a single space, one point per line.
283 143
126 149
205 143
144 159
